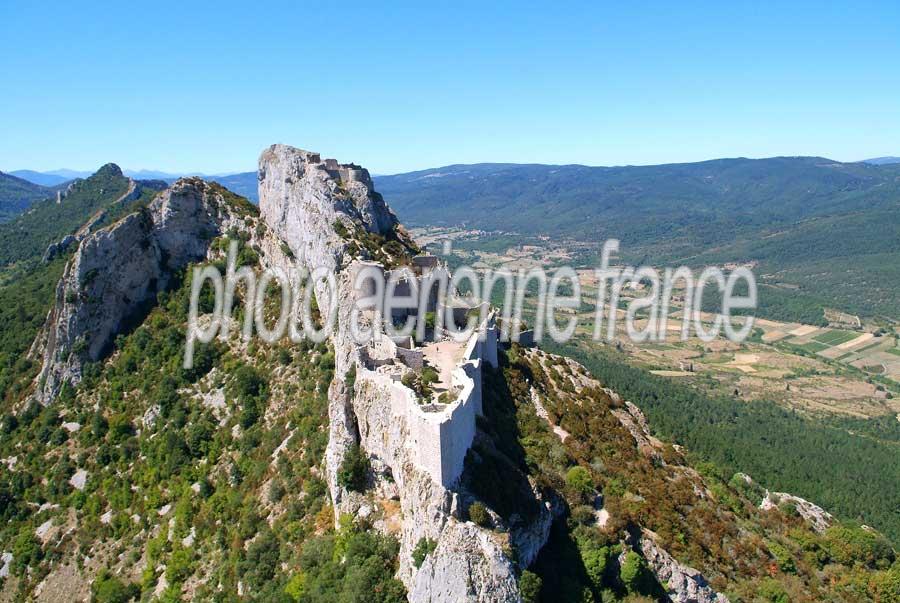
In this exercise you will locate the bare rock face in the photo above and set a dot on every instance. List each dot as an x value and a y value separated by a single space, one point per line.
683 584
448 574
302 200
301 197
817 517
117 269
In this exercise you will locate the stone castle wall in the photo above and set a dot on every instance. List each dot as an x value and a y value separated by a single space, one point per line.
440 436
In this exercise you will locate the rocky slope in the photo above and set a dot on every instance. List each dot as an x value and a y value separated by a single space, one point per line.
302 199
117 270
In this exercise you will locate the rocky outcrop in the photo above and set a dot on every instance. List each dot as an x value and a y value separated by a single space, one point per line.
54 249
817 517
632 418
117 269
448 574
683 584
301 197
302 203
306 201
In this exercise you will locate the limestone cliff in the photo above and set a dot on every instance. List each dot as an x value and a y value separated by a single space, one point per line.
306 202
118 269
323 215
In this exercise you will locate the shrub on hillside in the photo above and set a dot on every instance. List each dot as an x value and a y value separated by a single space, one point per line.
479 514
852 544
424 547
354 470
530 587
579 483
885 586
772 591
110 589
352 565
636 576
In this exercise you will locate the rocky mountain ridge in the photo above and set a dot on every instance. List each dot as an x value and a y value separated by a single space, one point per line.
118 269
301 200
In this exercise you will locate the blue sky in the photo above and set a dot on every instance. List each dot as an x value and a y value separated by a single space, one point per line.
185 86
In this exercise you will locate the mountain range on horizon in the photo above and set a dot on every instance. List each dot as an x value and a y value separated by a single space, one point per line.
58 176
53 177
715 212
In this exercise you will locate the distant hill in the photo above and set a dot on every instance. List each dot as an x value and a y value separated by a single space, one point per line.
831 228
577 199
68 174
39 177
244 184
17 194
882 160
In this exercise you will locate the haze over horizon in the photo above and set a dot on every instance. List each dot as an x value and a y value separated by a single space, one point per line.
590 85
149 173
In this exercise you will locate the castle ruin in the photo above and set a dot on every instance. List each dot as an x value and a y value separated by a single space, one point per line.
441 422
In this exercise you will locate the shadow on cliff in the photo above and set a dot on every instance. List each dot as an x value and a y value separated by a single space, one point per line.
496 467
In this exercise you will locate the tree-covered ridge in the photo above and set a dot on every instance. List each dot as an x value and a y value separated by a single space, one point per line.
707 521
17 194
582 200
28 236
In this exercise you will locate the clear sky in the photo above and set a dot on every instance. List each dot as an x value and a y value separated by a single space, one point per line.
180 86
